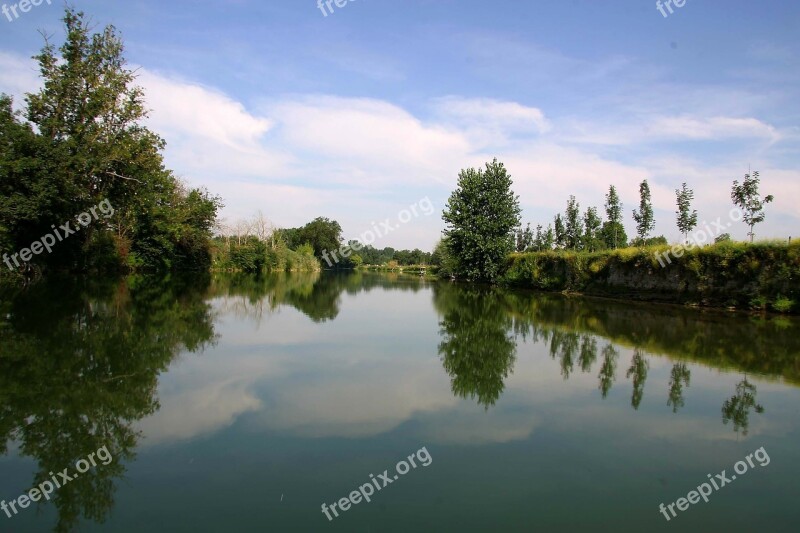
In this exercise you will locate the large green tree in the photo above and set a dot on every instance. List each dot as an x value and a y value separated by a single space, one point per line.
480 218
83 144
322 234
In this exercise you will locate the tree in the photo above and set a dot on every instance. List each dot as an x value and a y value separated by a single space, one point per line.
746 198
687 218
613 234
480 218
591 224
560 236
573 232
524 239
85 144
322 234
614 214
645 222
443 258
548 238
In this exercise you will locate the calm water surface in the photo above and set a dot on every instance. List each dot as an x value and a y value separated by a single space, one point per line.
235 403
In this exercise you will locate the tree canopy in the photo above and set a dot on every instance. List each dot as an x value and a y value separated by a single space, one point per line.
481 216
79 142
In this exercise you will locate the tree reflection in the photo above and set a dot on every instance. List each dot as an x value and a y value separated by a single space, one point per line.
608 369
477 347
565 346
79 365
638 369
738 407
588 353
679 378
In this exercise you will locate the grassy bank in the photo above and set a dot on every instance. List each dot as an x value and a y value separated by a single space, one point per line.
760 276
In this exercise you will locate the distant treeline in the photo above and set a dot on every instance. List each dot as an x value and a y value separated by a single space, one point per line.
255 245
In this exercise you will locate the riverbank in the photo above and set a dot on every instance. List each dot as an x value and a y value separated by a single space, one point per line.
761 276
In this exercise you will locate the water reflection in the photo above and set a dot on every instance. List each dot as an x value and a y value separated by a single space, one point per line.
79 365
480 328
737 408
478 346
679 378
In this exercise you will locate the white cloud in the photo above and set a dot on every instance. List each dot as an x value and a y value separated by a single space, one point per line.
715 128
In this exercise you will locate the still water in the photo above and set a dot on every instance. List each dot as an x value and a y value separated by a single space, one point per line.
237 403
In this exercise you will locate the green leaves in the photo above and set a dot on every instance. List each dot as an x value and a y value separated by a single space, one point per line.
746 198
481 216
84 144
614 214
645 221
687 219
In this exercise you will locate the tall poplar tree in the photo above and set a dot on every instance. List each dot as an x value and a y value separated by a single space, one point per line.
645 221
687 218
614 215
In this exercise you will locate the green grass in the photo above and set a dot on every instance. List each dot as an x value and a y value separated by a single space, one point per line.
760 276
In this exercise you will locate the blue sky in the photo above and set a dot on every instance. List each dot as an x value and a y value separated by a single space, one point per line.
364 112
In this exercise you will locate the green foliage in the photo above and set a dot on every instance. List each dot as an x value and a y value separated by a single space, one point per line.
613 206
783 305
645 222
650 241
613 235
592 223
524 239
728 274
481 215
573 230
83 144
746 197
687 218
321 233
443 259
560 233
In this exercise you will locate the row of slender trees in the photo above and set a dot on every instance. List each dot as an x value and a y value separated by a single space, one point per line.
588 232
482 220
